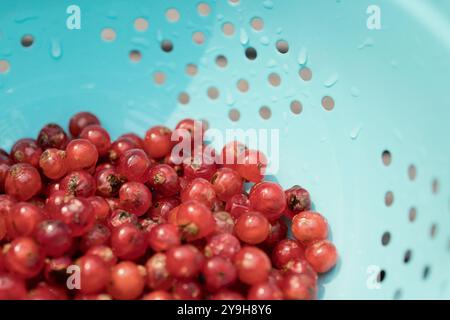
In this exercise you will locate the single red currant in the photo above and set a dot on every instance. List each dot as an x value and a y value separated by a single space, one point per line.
135 198
80 121
81 154
55 270
309 226
54 237
253 265
100 207
322 255
161 208
184 261
119 217
300 265
126 281
224 222
53 163
252 228
187 289
99 234
24 257
227 183
137 140
99 137
108 182
278 232
158 295
26 151
164 237
157 142
23 181
94 274
253 165
269 199
52 136
286 251
78 214
297 200
199 166
163 179
158 277
232 153
134 165
224 245
195 220
79 184
201 190
128 241
218 273
120 146
226 294
23 219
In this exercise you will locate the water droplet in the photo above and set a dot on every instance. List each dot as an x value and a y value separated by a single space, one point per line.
55 49
6 52
279 30
140 41
243 37
268 4
220 17
367 43
159 36
331 81
354 91
264 40
302 56
354 134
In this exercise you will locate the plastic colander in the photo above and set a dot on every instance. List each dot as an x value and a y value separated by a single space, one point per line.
363 115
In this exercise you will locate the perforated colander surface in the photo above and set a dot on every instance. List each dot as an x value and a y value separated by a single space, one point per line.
363 115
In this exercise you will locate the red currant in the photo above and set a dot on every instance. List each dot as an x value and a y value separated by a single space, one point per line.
26 151
134 165
195 220
99 137
226 294
78 214
187 289
23 182
135 198
105 253
109 182
252 228
322 255
253 165
79 184
199 166
237 205
55 270
157 142
224 245
227 183
309 226
163 179
126 281
269 199
158 277
231 153
12 287
80 121
297 200
218 273
128 241
120 146
278 232
99 234
100 207
52 136
119 217
161 208
157 295
54 237
224 222
81 154
53 163
297 286
24 257
184 261
164 237
23 219
300 265
137 140
94 274
265 291
253 265
286 251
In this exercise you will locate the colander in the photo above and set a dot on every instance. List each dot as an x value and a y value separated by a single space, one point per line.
362 112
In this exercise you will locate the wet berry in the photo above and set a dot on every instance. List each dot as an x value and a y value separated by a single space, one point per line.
23 182
52 136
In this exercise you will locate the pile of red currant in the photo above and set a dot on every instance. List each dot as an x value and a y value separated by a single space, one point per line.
82 217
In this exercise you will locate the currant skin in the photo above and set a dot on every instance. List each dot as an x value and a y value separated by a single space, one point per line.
81 154
127 281
158 295
23 182
53 163
163 179
265 291
200 190
285 251
158 277
187 289
309 226
322 255
26 151
54 237
52 136
253 165
23 218
105 253
157 142
226 183
79 184
134 165
218 273
128 241
135 198
253 265
224 245
78 214
108 182
99 137
24 257
269 199
164 237
185 261
195 220
94 274
252 228
12 287
80 121
98 234
299 287
298 199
